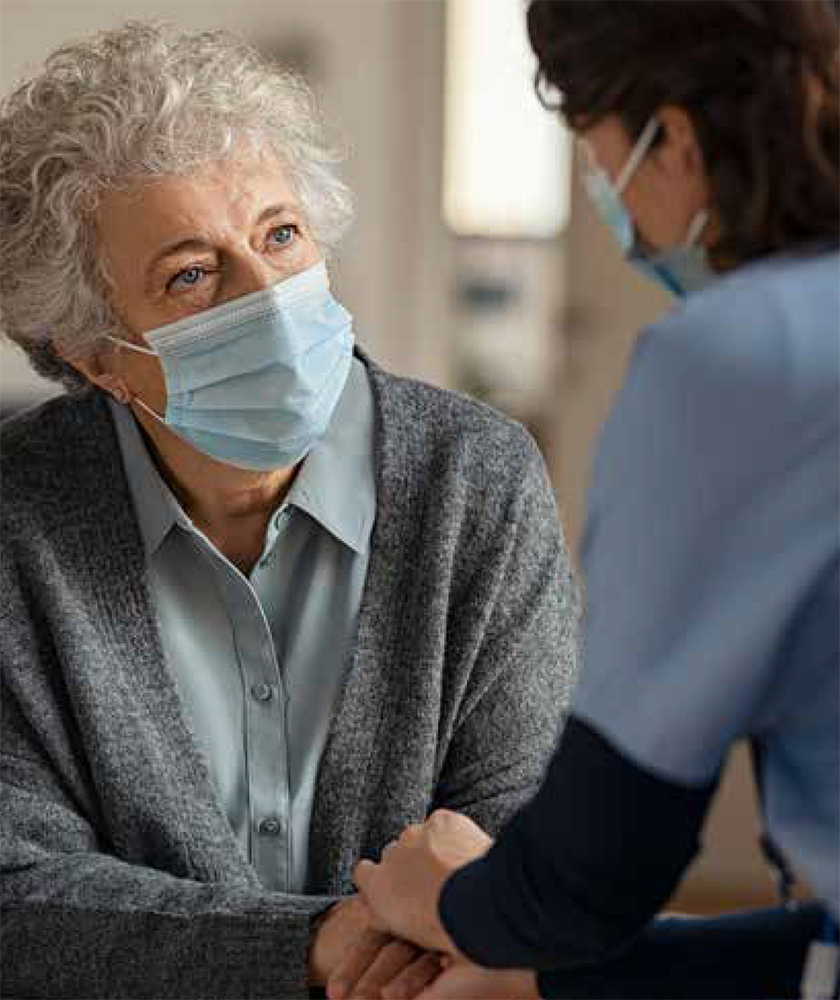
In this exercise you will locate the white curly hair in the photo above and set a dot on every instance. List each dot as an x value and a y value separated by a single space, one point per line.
143 101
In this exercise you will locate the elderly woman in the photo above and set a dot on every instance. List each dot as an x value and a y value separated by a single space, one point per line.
264 604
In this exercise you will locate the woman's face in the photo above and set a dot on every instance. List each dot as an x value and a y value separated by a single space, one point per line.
668 188
179 245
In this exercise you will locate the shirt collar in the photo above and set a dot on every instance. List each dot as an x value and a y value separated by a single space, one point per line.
335 485
155 505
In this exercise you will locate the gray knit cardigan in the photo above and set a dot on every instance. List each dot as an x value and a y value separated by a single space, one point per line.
121 875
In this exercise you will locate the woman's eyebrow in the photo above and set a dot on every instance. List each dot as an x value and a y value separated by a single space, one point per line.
282 208
169 249
196 243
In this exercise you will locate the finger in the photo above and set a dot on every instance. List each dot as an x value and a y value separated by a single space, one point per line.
414 978
364 876
358 956
390 961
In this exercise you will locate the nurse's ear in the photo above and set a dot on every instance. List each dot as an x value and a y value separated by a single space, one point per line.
671 186
677 152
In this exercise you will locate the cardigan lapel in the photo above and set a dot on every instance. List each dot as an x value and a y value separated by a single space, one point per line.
109 546
363 720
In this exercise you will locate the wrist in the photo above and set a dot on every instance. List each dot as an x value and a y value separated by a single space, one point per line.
317 975
442 940
531 985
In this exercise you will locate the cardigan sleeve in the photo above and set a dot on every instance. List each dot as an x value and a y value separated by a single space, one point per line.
80 922
524 659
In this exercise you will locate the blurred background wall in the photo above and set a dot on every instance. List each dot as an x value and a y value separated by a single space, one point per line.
537 320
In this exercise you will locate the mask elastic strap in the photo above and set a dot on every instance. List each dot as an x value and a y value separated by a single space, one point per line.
131 347
142 350
148 409
695 228
637 155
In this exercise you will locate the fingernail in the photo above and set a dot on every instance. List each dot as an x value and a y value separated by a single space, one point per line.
338 990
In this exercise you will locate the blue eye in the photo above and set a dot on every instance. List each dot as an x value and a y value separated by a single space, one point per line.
285 233
188 278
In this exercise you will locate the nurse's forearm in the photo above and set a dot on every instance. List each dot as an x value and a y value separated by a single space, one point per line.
582 868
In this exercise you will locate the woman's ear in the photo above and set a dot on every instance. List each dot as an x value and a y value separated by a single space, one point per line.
114 385
94 371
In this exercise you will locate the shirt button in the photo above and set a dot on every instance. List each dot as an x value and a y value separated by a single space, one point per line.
262 692
270 827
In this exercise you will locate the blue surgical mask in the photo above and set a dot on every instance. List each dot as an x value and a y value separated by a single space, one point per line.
254 382
681 269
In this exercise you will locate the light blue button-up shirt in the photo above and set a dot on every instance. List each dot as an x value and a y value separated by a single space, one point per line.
259 661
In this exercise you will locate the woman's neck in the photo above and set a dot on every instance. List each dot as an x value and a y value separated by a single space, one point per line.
230 506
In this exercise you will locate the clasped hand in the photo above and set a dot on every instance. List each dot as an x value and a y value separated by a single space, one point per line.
390 943
354 959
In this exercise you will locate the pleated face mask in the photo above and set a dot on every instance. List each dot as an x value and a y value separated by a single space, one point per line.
681 269
254 382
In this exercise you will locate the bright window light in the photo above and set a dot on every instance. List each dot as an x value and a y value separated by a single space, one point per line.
507 160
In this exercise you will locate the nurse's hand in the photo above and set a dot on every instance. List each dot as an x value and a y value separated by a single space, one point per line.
402 891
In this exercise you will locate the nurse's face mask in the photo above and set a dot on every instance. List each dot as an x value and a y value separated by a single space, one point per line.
254 382
681 269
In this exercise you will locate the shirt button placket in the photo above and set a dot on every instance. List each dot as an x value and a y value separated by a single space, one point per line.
266 746
262 692
268 559
270 826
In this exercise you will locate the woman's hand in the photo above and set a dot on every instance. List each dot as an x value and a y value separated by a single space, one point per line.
371 965
353 959
334 931
465 981
402 891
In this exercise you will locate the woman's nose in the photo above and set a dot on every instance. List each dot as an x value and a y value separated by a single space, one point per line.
248 273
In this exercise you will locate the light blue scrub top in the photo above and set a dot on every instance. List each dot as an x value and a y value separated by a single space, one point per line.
259 661
711 554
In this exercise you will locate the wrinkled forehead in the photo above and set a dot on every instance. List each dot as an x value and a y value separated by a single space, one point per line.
213 201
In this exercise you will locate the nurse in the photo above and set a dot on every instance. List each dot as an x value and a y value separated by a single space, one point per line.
712 135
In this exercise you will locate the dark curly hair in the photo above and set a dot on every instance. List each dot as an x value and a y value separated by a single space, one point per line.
758 79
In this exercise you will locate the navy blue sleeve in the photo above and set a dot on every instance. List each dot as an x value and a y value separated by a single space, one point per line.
758 953
582 868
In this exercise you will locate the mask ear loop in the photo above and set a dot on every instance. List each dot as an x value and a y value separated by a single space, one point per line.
142 350
131 347
637 155
149 410
695 228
